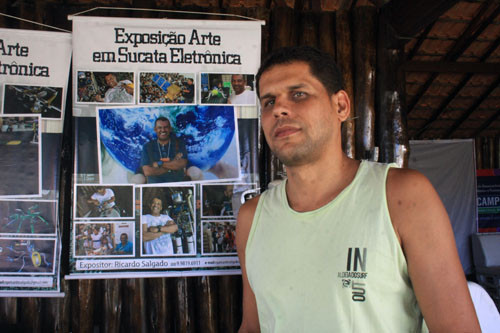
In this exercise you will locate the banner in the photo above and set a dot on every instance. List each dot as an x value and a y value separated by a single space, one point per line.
488 200
166 139
34 71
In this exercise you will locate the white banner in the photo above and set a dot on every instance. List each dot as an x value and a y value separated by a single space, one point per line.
157 105
34 73
34 70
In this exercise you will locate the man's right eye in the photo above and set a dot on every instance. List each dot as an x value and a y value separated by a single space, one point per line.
268 103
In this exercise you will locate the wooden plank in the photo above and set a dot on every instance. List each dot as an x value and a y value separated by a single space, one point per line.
184 309
57 311
309 29
83 306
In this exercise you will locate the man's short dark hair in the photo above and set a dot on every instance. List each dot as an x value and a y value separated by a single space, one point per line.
322 65
162 119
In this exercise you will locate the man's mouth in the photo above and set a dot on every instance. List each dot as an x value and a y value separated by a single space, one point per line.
285 131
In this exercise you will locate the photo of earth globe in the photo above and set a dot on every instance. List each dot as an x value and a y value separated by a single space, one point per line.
208 132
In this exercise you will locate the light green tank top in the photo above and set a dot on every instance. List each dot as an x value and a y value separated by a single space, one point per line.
339 268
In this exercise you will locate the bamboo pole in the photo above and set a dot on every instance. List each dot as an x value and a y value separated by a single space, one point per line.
491 152
364 80
344 60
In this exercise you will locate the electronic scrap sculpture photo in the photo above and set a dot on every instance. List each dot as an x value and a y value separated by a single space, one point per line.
31 216
183 214
24 256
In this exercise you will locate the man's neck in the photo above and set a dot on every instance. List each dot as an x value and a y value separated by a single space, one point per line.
311 187
164 142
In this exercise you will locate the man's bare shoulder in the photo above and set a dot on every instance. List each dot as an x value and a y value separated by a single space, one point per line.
244 223
411 198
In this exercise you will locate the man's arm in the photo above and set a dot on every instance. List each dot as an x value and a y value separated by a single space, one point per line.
170 227
423 227
177 163
250 321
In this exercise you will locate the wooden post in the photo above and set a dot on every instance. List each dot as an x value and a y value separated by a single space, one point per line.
57 311
283 27
364 79
308 29
134 305
82 302
184 307
479 153
8 312
344 61
31 308
158 310
392 136
229 303
206 304
112 305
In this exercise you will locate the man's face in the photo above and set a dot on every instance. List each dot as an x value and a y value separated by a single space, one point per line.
298 115
101 190
111 80
163 129
156 207
238 83
190 82
124 239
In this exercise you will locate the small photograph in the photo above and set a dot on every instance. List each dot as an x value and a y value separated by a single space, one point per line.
104 201
234 89
46 101
225 200
28 217
20 151
18 256
168 144
218 237
105 87
167 88
103 239
168 221
215 88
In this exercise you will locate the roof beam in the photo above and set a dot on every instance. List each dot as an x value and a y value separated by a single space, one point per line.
408 18
452 67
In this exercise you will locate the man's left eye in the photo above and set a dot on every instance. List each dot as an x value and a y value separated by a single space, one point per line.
299 94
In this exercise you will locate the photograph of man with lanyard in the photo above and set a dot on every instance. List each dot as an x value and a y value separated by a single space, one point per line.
164 159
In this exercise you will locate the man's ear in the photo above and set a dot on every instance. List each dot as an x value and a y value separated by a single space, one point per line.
341 98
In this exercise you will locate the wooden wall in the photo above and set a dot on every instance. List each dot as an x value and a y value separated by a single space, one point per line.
209 304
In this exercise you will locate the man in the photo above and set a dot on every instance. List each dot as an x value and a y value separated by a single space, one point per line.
188 91
341 245
124 247
104 201
156 230
240 94
164 159
118 92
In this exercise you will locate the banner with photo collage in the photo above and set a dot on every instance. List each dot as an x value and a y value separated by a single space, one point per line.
34 74
166 144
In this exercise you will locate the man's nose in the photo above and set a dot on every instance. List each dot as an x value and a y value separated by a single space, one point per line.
281 107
